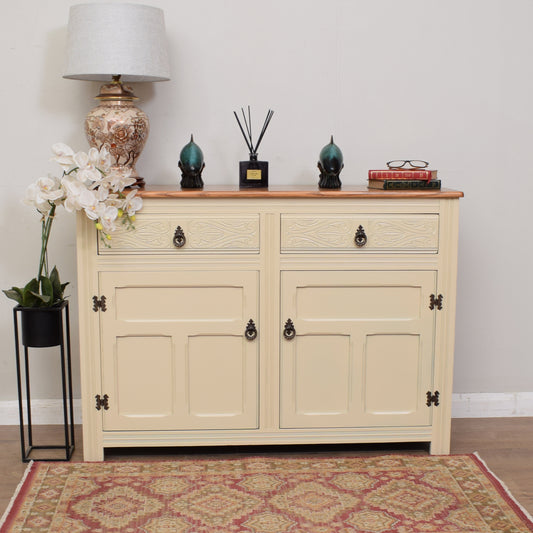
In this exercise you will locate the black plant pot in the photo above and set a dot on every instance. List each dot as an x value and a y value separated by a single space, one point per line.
41 326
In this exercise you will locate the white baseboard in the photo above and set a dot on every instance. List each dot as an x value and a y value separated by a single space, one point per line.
42 412
492 405
464 405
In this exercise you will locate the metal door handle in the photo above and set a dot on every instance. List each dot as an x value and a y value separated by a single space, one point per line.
360 237
179 239
251 331
288 331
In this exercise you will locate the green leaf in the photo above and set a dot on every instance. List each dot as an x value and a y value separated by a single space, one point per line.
32 285
59 288
30 300
44 292
30 290
44 298
15 293
54 278
47 291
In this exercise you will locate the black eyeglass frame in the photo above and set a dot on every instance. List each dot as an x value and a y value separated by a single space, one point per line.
413 164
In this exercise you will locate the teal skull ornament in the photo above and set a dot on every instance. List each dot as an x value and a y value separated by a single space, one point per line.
191 164
330 163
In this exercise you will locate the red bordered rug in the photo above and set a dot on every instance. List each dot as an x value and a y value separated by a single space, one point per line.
313 494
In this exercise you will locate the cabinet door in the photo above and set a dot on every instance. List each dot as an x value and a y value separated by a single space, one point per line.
363 350
174 353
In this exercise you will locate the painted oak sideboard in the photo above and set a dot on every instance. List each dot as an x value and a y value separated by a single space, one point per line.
270 317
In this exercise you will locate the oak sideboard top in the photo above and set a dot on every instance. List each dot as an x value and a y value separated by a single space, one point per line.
294 191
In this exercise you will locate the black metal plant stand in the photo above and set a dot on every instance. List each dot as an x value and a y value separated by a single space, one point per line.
44 327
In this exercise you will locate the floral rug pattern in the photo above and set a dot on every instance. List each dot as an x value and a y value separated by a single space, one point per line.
313 494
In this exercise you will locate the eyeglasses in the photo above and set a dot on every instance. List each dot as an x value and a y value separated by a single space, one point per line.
413 163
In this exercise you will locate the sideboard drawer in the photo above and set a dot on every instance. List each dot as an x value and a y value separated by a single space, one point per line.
210 233
375 232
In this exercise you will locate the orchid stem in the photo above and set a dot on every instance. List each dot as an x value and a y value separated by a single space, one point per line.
45 235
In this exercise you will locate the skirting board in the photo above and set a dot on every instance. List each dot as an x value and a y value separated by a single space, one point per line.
42 412
492 405
464 405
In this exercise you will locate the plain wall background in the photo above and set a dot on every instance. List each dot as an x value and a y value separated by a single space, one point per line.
449 82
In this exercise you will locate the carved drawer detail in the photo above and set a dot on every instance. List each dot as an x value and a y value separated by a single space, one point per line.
387 232
405 233
147 234
316 233
224 234
213 233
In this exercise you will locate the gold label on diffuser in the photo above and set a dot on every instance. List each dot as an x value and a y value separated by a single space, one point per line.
253 174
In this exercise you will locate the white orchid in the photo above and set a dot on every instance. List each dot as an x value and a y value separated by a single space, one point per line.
88 184
90 204
34 198
64 156
118 180
73 189
50 188
101 159
108 216
132 203
86 170
114 200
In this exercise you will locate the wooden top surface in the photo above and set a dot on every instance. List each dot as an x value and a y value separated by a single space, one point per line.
293 191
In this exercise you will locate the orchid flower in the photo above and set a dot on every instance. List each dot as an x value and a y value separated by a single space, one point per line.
34 198
50 188
88 184
64 156
132 203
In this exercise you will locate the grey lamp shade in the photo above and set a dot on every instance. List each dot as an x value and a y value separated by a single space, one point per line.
110 39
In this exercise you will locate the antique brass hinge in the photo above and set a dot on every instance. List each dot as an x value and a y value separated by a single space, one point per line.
432 398
102 402
99 303
435 301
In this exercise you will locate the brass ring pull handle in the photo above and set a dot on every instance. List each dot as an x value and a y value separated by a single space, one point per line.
360 237
251 331
179 239
288 331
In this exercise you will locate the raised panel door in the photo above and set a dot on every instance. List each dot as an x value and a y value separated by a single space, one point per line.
174 353
362 354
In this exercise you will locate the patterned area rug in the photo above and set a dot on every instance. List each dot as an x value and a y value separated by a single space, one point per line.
315 494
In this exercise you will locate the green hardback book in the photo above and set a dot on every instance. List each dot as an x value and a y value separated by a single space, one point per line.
391 185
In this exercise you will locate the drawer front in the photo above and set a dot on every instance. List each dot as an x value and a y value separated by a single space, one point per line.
210 233
379 233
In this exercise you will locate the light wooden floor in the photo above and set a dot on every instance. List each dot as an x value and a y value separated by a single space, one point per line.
505 444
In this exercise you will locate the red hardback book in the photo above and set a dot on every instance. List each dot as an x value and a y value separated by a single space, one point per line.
411 174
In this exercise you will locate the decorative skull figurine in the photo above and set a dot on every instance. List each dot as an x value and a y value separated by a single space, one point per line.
330 163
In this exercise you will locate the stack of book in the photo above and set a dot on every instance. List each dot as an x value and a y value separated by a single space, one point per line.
398 179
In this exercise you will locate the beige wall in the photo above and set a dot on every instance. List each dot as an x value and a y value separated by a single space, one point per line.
450 82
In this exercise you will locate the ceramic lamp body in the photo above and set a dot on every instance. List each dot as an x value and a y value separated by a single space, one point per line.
122 128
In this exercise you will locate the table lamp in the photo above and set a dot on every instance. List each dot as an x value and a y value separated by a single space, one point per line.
117 43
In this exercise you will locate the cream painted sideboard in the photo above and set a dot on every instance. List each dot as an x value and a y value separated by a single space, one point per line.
270 317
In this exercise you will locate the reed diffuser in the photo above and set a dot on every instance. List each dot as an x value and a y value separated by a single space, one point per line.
253 173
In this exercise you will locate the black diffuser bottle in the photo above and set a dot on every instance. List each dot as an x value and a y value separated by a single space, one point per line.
253 173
